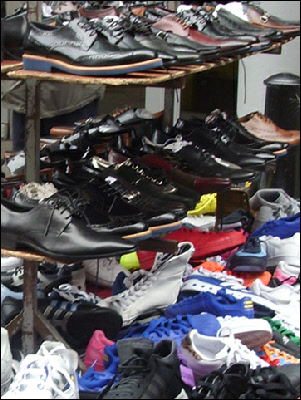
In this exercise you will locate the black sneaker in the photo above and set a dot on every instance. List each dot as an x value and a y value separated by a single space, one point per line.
147 371
269 383
223 383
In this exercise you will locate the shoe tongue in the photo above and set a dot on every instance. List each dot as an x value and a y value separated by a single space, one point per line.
142 347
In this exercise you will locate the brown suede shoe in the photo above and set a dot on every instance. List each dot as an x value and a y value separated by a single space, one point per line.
264 128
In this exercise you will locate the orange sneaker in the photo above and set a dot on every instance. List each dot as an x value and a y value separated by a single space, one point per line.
211 266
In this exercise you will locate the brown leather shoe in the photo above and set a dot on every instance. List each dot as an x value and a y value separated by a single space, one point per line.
178 27
100 13
264 128
256 16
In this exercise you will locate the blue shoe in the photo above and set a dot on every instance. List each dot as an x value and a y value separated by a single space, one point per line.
252 256
176 328
282 227
96 381
219 304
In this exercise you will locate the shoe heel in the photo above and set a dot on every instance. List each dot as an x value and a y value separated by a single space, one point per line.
36 65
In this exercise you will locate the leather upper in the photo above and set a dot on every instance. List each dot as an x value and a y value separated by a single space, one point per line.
80 43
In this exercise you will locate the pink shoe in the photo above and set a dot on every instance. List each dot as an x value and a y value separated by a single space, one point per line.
284 279
95 350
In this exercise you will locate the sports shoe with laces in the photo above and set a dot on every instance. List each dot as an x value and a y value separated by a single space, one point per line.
219 304
281 227
270 383
223 383
253 333
48 374
74 294
7 369
205 354
103 271
250 257
147 371
155 290
207 244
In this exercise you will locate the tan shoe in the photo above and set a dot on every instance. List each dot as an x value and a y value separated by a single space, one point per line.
264 128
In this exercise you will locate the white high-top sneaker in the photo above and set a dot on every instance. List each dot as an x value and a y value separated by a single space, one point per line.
155 290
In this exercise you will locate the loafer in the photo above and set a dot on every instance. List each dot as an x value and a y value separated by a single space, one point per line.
54 229
79 48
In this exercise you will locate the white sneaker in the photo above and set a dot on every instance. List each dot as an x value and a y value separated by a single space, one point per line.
282 295
253 333
10 263
205 354
155 290
6 362
288 270
49 374
202 222
103 271
287 249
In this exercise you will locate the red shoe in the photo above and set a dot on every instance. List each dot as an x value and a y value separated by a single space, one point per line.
208 244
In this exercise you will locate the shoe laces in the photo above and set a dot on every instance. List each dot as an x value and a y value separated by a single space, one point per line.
239 353
73 293
44 373
156 176
129 296
87 26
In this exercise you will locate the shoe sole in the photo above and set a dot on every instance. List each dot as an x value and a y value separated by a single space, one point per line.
40 63
14 243
136 237
161 229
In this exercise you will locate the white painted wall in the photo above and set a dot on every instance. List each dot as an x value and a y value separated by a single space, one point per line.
261 66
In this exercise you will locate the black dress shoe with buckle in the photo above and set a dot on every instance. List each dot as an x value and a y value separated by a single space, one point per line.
55 228
79 48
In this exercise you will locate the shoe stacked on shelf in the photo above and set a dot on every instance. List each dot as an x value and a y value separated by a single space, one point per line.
113 41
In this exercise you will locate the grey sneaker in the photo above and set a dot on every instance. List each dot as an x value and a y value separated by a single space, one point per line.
272 204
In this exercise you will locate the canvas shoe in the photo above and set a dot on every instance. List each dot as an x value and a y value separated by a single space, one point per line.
155 290
147 371
103 271
253 333
95 350
10 263
287 250
282 227
250 257
219 304
204 354
48 374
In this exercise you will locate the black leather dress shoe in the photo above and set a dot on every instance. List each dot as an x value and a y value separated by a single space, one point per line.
55 229
13 30
79 48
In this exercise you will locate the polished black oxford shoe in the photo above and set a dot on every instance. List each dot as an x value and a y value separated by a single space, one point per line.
79 48
55 228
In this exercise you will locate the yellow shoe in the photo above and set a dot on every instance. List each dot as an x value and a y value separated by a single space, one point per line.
130 261
207 205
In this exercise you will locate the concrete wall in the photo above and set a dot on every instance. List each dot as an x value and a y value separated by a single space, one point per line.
251 96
